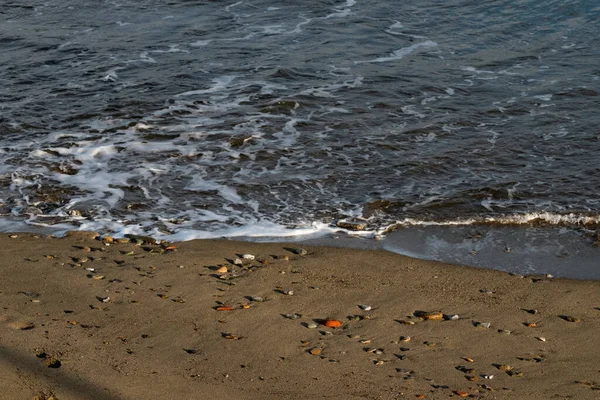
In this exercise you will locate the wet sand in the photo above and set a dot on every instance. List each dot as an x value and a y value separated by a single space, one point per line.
83 320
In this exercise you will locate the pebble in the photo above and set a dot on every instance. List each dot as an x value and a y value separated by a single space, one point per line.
222 270
453 317
258 299
571 319
293 316
405 338
288 292
300 251
504 367
541 338
315 351
248 256
505 331
312 325
332 323
430 316
483 324
237 261
365 307
90 269
20 325
488 376
353 224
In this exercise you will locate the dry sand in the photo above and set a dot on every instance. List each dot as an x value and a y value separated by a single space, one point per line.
160 336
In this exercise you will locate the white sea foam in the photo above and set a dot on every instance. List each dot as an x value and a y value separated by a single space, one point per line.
401 53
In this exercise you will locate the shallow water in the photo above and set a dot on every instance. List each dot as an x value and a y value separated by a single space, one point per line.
205 119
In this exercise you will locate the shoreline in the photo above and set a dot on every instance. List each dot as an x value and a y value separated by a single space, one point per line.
84 320
566 252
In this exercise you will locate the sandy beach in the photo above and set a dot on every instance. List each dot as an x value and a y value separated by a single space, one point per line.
83 318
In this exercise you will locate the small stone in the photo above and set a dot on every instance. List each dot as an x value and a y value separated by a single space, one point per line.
571 318
288 292
98 277
365 307
430 316
300 251
453 317
483 324
222 270
504 331
293 316
488 376
140 239
312 325
248 257
353 224
238 261
107 239
550 276
405 338
257 299
504 367
82 234
541 338
21 325
315 351
471 378
530 324
405 322
379 362
468 359
332 323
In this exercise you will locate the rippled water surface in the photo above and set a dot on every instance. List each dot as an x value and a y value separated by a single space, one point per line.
210 118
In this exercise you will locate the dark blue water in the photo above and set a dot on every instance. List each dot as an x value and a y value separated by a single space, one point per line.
204 119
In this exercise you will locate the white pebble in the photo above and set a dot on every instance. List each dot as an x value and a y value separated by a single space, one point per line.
365 307
248 256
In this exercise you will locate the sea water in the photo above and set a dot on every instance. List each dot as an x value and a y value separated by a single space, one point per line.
444 125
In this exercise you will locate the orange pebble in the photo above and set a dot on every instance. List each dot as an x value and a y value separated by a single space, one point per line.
224 308
332 323
461 394
420 396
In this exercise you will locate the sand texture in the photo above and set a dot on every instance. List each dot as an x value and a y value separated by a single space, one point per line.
83 320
